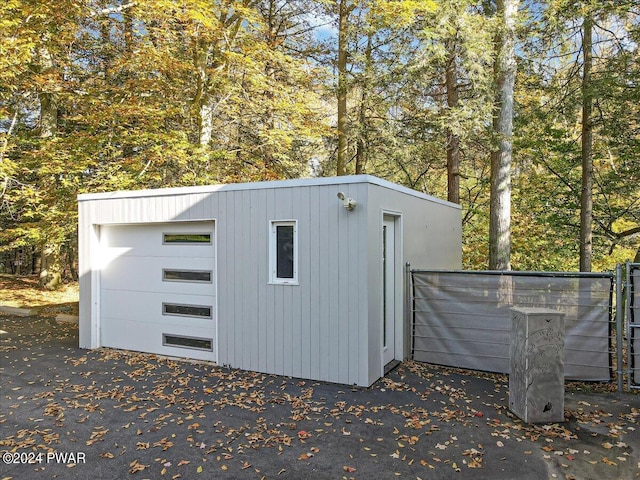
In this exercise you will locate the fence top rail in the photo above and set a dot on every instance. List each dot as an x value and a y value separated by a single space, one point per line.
519 273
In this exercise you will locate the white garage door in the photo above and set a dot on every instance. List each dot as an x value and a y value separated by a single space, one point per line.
157 289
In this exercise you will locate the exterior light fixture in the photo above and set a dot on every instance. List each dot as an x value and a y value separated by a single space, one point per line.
349 203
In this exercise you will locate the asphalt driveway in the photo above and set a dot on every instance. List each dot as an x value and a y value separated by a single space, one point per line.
105 414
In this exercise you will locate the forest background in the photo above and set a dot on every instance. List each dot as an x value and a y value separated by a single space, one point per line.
103 95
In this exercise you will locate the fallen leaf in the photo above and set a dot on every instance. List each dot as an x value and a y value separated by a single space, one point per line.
135 466
349 469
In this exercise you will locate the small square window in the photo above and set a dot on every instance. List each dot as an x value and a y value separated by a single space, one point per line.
283 252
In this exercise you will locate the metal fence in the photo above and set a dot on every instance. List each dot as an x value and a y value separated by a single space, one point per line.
631 293
463 319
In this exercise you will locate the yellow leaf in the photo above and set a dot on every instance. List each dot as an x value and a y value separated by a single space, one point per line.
199 469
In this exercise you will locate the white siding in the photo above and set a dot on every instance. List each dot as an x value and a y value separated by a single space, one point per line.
328 326
431 233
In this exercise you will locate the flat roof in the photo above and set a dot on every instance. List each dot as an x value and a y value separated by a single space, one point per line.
292 183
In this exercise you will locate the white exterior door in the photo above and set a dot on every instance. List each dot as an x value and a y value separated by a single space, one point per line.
158 289
388 289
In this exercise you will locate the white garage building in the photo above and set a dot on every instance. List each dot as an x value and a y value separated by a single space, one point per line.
302 278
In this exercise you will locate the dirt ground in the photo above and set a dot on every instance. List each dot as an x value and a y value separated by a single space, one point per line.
23 292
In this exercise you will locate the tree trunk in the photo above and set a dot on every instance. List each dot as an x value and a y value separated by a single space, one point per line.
500 196
205 119
343 14
51 272
48 114
586 194
363 137
453 140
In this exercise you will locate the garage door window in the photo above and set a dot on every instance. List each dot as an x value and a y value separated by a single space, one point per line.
186 238
187 342
283 252
182 310
193 276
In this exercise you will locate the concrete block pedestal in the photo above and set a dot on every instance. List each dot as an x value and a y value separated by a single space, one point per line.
536 381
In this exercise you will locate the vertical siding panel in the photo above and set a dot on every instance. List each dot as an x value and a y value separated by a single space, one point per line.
249 290
175 207
284 207
205 204
182 206
335 273
294 356
354 279
314 264
196 210
117 212
102 213
259 225
192 207
216 203
209 203
365 319
178 207
238 259
154 210
274 333
374 284
138 211
226 246
304 290
328 235
85 261
166 208
344 279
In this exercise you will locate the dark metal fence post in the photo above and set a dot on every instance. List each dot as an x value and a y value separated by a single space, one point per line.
619 327
408 314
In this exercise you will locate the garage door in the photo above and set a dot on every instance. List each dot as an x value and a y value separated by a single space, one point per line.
157 289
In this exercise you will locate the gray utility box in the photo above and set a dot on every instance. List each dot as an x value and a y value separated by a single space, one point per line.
536 381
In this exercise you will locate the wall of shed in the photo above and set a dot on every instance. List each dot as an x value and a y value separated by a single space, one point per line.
431 233
310 330
329 327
